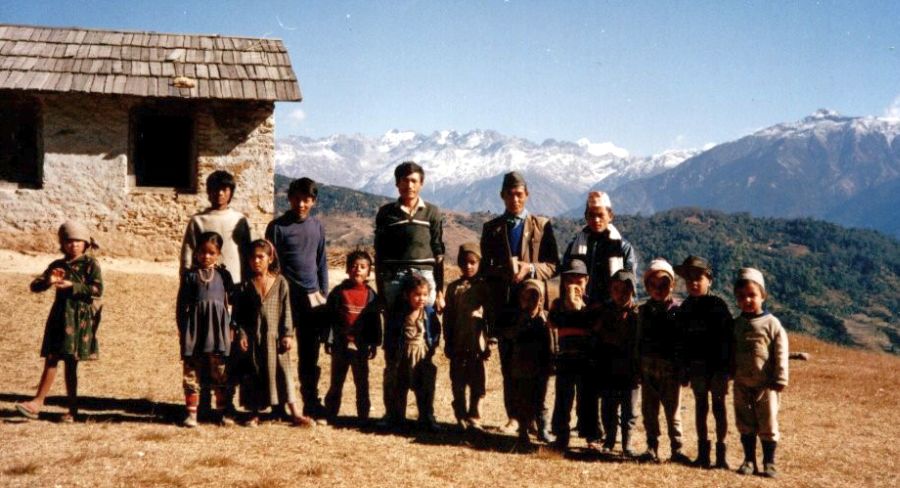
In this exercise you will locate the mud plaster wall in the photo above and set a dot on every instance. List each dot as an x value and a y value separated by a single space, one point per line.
85 174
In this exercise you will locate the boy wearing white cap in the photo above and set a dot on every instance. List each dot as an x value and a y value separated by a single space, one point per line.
602 248
760 371
659 347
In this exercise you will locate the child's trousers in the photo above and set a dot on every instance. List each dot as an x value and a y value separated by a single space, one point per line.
704 386
467 371
660 386
356 361
411 369
756 412
573 377
612 400
527 398
210 366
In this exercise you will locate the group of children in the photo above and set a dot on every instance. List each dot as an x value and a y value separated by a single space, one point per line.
238 313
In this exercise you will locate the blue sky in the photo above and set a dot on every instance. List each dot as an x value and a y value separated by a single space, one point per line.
646 76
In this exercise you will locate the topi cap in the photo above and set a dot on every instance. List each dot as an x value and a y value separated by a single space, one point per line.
513 179
597 199
693 262
753 275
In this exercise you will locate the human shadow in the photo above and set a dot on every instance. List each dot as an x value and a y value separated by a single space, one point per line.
101 409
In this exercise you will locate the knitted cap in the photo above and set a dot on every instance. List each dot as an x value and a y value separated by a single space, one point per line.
471 247
513 179
598 199
659 264
753 275
76 231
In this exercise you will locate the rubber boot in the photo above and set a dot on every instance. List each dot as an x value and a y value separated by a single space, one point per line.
703 449
721 456
748 441
652 454
768 449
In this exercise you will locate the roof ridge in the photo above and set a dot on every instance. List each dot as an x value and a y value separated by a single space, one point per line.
129 31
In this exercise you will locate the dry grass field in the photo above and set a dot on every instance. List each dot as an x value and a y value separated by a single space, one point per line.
838 418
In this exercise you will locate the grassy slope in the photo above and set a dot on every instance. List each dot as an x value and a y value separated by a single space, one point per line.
133 396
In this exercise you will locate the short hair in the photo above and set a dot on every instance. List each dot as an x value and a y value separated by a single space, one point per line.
356 255
212 237
407 168
269 248
744 282
303 186
220 179
413 282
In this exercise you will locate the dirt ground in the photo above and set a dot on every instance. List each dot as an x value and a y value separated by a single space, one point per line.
837 417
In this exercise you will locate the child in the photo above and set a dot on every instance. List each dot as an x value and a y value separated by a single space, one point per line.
659 349
262 312
707 325
569 318
760 371
299 240
465 336
221 219
528 338
70 331
411 335
205 328
354 317
602 248
615 335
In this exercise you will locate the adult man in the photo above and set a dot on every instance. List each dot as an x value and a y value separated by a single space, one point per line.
408 241
515 247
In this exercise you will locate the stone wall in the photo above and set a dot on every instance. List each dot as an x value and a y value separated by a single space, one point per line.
86 176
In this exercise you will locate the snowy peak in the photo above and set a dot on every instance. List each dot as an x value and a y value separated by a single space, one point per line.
825 121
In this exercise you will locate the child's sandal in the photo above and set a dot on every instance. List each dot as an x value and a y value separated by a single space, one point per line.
252 422
26 411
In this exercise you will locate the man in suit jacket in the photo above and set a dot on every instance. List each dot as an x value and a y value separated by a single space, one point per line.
515 247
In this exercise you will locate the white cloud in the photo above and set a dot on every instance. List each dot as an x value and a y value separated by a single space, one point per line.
893 110
297 115
602 148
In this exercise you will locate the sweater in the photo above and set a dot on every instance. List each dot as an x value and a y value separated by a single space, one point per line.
760 351
235 232
707 326
414 240
300 245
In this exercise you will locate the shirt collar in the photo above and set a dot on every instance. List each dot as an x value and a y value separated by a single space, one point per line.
420 203
517 217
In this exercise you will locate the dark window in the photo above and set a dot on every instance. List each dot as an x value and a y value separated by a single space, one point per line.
163 149
21 155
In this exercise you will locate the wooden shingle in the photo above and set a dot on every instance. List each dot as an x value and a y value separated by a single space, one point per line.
142 63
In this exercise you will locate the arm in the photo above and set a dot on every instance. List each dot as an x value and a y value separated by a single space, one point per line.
42 282
92 286
322 261
548 255
379 246
437 250
188 245
779 356
449 320
244 236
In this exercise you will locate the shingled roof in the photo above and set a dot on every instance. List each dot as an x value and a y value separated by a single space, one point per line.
145 64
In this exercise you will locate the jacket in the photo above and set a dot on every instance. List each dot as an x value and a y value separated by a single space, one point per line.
604 253
708 334
615 337
467 317
366 329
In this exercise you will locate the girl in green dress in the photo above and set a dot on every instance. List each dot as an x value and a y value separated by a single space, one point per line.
70 332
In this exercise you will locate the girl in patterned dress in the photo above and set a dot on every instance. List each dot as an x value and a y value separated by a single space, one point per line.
69 334
205 328
262 312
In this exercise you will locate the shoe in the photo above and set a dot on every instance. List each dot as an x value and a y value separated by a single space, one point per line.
463 424
650 456
546 437
302 421
320 421
26 411
429 425
474 423
629 454
387 422
721 456
768 448
703 451
769 470
679 457
595 446
511 427
227 419
747 468
191 421
252 422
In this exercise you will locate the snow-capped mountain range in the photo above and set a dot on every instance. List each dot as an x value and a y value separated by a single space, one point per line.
837 168
464 170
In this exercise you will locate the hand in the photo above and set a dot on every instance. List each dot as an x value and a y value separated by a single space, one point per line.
328 349
373 350
244 343
523 273
63 284
286 344
56 275
439 302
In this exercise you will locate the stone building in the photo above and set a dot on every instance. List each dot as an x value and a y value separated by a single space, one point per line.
120 129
